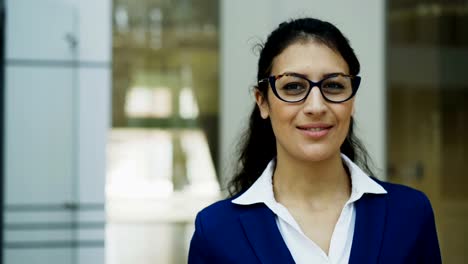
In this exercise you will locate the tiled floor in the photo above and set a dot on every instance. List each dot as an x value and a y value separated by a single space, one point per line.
148 243
151 231
157 181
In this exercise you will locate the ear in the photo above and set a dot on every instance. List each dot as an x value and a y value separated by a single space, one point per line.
262 104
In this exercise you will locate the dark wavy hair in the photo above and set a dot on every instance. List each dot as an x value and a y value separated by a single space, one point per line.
258 143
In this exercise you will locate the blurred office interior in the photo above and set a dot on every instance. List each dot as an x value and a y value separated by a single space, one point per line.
121 118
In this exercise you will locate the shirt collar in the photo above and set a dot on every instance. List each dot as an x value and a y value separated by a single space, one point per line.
361 183
262 189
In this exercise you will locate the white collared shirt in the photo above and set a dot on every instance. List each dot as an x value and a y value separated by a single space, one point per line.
303 249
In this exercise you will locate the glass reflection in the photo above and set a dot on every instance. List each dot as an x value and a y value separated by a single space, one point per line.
427 113
162 151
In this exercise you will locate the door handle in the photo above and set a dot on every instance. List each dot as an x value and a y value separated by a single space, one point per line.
72 40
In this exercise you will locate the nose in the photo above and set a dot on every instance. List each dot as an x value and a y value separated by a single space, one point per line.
315 104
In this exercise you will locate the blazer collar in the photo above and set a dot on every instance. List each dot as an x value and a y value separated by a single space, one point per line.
371 212
260 227
263 235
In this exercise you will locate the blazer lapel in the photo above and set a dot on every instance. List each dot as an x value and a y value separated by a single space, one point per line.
371 212
262 232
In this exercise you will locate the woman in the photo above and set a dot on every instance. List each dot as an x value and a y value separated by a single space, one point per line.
299 196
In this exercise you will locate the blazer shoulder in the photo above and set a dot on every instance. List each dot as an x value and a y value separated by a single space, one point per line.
218 208
213 225
219 221
406 198
399 189
410 225
220 213
223 215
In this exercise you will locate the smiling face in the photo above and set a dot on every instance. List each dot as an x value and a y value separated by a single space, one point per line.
313 129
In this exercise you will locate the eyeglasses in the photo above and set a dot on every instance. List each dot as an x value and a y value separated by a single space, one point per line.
294 87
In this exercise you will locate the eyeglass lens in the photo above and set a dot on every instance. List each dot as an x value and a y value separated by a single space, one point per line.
295 88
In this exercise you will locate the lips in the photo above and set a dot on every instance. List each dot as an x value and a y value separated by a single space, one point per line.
315 131
315 127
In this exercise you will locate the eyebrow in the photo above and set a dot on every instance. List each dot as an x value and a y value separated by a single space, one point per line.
305 76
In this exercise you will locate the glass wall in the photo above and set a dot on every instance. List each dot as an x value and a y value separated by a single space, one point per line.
427 58
162 151
56 86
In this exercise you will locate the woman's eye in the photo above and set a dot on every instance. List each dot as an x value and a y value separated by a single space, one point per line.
294 87
333 85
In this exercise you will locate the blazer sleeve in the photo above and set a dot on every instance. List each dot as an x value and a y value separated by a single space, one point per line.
197 250
429 243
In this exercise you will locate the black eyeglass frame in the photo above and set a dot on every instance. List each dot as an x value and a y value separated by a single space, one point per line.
355 82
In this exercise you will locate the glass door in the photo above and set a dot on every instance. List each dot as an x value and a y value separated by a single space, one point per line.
162 148
40 178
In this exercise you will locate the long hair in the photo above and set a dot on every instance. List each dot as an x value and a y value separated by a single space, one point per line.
258 143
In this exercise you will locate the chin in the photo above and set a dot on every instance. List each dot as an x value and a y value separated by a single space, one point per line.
307 152
317 155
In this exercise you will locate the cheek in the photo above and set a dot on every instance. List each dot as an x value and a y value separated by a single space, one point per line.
281 117
347 113
344 115
281 114
345 110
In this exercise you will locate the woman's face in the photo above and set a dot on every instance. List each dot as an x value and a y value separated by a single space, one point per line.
314 129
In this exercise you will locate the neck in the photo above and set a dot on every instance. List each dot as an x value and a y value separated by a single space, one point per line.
315 183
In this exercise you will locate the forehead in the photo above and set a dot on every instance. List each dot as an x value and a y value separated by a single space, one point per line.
310 58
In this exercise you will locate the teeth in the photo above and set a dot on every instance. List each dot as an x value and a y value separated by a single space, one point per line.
315 129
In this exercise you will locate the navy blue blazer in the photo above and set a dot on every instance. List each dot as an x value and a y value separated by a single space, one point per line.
397 227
